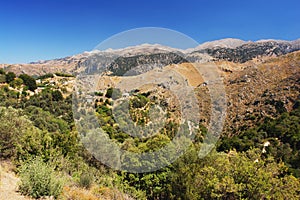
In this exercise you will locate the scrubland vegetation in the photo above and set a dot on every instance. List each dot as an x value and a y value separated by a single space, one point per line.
38 134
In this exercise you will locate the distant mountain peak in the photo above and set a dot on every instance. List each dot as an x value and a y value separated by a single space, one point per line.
229 49
147 48
142 48
225 43
271 40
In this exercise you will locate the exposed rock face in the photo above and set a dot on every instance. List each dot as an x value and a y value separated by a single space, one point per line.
145 57
223 43
132 62
253 92
143 63
251 50
262 91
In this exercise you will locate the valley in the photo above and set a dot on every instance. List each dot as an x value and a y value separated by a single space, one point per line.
143 99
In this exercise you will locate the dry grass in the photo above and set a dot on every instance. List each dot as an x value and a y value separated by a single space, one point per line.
76 193
95 193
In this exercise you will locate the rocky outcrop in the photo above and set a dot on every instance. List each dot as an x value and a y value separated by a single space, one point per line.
251 50
142 58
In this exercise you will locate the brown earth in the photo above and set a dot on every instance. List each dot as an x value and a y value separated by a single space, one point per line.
9 183
251 88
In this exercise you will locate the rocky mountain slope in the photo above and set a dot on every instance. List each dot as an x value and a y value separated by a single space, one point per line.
143 57
261 78
254 91
262 91
249 51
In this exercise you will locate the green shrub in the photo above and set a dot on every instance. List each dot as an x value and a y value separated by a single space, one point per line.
57 95
99 93
2 71
139 101
109 93
10 76
29 81
2 78
86 180
13 125
63 74
16 83
38 179
45 76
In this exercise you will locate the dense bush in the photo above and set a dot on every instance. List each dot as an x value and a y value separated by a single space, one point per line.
29 81
2 71
283 134
57 95
2 78
10 76
109 92
86 180
98 93
38 179
16 83
13 125
45 136
45 100
139 101
63 74
232 176
46 76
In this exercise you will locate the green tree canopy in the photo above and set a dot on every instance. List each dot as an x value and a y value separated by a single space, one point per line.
232 176
29 81
2 71
10 76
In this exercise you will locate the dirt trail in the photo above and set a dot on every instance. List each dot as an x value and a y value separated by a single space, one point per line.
9 183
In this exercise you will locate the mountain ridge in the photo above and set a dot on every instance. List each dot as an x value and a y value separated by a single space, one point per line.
228 49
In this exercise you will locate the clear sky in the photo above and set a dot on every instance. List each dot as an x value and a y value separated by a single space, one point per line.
33 30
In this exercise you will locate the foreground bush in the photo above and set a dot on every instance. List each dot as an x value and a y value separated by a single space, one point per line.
234 175
39 180
13 125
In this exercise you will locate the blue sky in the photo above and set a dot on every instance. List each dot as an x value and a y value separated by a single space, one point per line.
33 30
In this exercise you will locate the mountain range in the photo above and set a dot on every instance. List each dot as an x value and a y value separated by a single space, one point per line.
146 56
